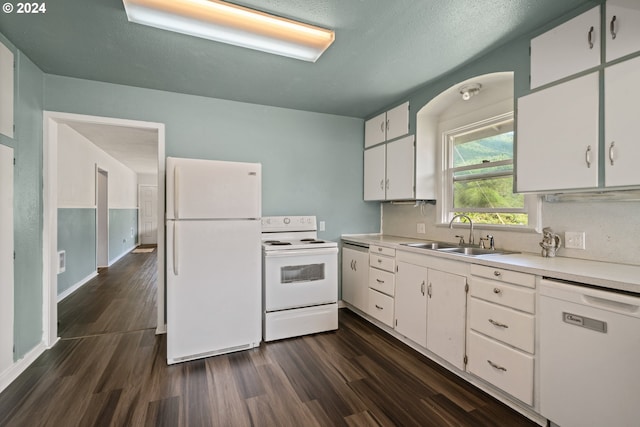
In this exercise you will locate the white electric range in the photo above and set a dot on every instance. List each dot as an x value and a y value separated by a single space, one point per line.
300 278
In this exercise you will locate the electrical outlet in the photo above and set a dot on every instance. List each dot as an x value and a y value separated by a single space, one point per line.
322 226
421 228
574 240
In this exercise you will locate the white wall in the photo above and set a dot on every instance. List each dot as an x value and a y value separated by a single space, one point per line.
77 157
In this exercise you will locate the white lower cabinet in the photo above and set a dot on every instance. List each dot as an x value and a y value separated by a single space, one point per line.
355 276
501 329
431 308
501 365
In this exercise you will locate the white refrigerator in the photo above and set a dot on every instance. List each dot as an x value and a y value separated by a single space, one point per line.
214 264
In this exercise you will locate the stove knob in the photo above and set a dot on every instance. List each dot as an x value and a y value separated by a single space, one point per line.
286 220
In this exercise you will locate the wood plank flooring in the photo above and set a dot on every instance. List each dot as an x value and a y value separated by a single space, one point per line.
356 376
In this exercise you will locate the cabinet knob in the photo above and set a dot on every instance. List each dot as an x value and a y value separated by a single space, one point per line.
497 290
497 273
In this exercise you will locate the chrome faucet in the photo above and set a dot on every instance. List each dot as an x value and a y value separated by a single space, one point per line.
471 241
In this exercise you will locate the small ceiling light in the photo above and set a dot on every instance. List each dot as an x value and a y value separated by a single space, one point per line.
228 23
467 91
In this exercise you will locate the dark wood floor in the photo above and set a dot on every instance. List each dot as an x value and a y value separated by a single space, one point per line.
115 373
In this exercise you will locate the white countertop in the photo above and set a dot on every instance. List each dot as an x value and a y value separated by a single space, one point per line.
608 275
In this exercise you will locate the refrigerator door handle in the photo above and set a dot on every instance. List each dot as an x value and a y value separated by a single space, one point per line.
176 194
175 248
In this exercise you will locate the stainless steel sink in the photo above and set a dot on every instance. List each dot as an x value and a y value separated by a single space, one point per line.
430 245
473 251
455 249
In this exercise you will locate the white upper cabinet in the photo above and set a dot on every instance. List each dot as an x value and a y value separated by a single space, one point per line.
622 143
6 91
389 170
567 49
557 137
375 130
387 126
375 173
623 28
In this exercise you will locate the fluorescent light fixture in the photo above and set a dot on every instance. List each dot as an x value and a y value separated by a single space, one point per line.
232 24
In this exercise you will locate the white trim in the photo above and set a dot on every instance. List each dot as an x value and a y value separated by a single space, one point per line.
77 286
51 120
19 366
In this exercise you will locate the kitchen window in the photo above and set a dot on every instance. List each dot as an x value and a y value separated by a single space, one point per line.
478 175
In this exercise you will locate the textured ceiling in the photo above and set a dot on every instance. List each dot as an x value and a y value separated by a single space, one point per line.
384 49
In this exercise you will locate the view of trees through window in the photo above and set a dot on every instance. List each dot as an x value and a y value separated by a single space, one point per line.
482 175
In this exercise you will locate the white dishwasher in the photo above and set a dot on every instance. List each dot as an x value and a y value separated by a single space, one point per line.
589 356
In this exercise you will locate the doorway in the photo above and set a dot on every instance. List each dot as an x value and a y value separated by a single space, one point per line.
52 121
102 218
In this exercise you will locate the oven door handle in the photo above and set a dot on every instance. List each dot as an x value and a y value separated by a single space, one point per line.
301 252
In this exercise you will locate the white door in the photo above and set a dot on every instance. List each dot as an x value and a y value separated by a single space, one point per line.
211 189
398 121
148 202
374 173
411 302
446 316
102 218
622 148
355 277
557 137
213 287
6 258
400 169
375 130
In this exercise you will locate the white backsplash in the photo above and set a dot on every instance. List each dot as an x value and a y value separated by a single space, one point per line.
612 228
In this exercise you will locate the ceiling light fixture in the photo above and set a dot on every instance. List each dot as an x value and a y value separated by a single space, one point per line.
467 91
232 24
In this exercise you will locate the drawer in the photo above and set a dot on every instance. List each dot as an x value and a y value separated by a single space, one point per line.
515 277
382 262
503 293
381 250
506 368
381 307
509 326
382 281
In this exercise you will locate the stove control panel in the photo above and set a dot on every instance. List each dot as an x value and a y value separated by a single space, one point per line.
288 223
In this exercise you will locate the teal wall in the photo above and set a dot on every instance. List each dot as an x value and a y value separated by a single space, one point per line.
121 221
77 237
27 145
312 162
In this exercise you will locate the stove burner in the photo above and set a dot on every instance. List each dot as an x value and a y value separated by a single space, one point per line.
316 241
268 242
276 243
308 240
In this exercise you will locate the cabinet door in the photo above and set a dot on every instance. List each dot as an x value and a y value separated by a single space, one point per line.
567 49
557 137
446 312
398 121
374 173
411 302
6 89
622 144
375 130
622 28
400 169
355 268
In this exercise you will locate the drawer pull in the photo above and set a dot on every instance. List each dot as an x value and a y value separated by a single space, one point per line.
497 273
497 290
379 261
379 308
379 281
498 367
498 324
379 249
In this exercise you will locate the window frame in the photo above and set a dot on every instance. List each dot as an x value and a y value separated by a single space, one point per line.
532 203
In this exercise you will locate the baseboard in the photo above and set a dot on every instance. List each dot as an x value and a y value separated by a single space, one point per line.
77 286
18 367
126 252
